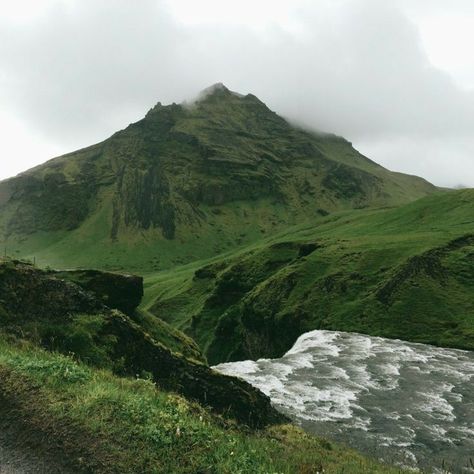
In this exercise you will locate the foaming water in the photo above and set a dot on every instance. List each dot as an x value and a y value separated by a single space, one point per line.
405 403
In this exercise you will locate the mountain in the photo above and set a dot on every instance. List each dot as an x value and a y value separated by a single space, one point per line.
188 182
405 272
249 231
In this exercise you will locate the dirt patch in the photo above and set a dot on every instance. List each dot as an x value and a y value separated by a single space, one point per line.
25 452
33 441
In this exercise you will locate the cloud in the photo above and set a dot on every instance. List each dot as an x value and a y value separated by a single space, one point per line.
354 67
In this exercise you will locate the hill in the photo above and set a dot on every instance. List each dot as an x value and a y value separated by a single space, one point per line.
401 273
187 182
57 314
85 388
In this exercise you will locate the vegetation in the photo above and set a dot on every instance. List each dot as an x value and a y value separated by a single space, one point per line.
97 422
402 273
61 316
120 413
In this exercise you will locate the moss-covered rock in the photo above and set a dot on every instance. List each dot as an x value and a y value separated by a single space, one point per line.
115 290
62 316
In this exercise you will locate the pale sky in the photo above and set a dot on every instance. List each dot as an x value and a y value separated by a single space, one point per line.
394 77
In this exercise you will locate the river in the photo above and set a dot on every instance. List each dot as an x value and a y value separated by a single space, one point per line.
404 403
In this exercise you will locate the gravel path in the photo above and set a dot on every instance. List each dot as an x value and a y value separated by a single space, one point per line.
16 459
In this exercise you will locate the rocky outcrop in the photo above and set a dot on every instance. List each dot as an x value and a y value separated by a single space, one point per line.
29 293
67 317
115 290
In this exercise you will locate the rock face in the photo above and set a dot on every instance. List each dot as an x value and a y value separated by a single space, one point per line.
115 290
61 315
28 293
224 169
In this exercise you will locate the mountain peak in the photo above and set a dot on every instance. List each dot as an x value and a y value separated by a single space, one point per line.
218 86
184 170
217 90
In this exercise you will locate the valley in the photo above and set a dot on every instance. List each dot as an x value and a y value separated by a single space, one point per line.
217 233
403 272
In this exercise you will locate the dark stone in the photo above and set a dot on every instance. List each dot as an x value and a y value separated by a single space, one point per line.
115 290
26 291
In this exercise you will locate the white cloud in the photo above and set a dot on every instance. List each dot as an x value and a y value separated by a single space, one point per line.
22 147
76 71
448 40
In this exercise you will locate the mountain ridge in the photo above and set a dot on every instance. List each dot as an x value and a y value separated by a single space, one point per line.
224 169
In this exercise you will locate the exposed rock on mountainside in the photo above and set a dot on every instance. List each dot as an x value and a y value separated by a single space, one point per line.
115 290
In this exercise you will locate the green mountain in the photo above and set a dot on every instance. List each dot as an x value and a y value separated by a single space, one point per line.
187 182
406 272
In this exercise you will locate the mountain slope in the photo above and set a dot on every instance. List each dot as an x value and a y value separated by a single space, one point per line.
402 273
186 182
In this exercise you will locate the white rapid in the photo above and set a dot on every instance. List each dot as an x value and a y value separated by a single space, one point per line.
405 403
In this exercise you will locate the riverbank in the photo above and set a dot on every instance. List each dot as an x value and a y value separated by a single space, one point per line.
102 423
409 404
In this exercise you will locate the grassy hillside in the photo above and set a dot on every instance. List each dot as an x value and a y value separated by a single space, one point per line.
90 389
188 182
61 316
402 273
97 422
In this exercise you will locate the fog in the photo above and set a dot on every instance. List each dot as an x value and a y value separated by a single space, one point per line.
73 72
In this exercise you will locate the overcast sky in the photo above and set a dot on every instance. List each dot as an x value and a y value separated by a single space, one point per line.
394 77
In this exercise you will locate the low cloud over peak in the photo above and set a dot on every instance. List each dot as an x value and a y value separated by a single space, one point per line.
358 68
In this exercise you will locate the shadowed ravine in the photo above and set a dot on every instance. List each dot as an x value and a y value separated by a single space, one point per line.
410 404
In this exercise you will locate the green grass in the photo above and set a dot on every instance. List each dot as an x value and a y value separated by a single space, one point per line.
107 424
388 272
